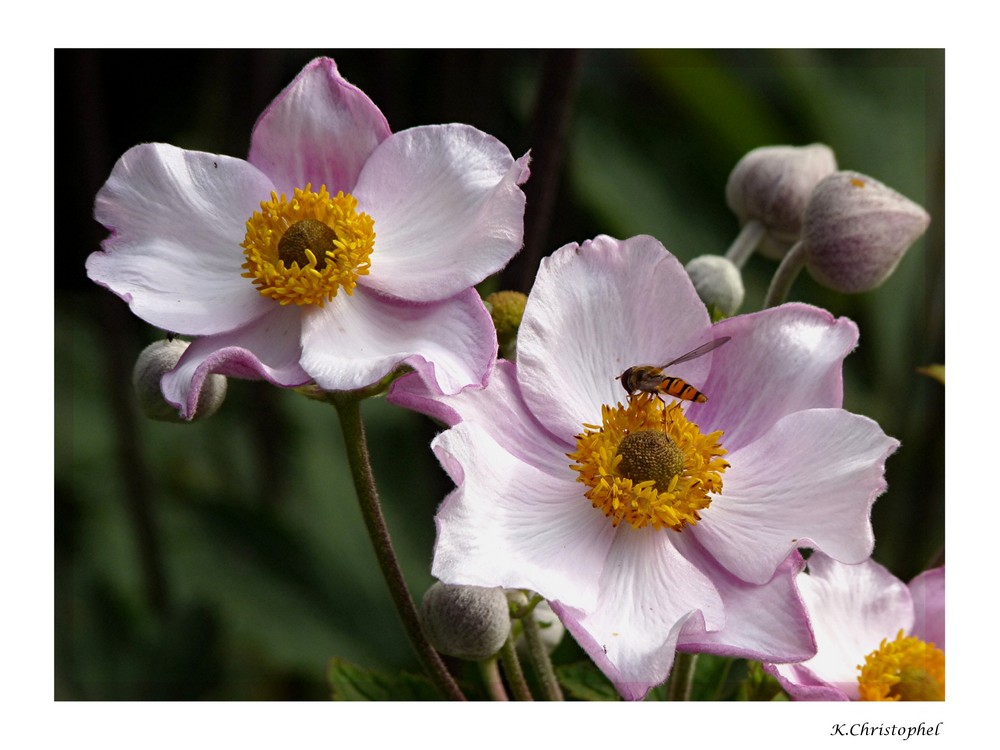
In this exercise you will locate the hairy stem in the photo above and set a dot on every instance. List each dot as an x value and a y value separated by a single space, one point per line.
746 242
489 670
787 271
540 659
512 668
349 408
681 677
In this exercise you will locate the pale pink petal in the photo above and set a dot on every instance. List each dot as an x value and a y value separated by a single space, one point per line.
648 592
356 340
852 608
763 623
927 591
267 349
320 129
499 408
595 310
177 219
447 208
779 361
508 524
800 683
810 481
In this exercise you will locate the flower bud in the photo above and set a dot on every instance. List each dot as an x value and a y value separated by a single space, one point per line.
856 230
153 363
718 282
506 308
772 184
469 622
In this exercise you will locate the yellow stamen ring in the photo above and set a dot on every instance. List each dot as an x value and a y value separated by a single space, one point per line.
906 669
668 494
306 249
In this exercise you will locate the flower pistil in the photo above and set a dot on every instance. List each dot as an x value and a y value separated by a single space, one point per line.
905 669
304 250
648 464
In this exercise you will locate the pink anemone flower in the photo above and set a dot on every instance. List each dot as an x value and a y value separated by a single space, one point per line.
877 638
649 524
335 252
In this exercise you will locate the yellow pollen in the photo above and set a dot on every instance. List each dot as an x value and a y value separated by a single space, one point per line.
906 669
304 250
661 479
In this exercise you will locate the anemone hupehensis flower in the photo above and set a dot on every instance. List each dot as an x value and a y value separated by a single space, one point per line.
651 525
877 638
336 251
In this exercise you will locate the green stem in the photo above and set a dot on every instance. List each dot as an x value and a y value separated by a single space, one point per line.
681 677
489 670
788 269
512 668
746 242
540 660
349 408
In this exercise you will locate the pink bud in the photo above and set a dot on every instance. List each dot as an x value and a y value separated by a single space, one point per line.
856 230
772 184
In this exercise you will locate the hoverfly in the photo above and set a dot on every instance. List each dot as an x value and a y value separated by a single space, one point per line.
649 379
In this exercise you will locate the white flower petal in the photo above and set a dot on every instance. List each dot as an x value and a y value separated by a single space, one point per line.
267 349
810 481
508 524
320 129
927 591
595 310
356 340
177 219
447 208
763 623
499 408
648 593
803 685
778 361
852 608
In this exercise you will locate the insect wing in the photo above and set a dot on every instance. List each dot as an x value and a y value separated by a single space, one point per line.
647 378
695 353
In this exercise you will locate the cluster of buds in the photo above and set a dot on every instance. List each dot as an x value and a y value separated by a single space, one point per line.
849 230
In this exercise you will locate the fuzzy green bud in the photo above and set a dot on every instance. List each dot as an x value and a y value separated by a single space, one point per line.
718 282
772 185
506 308
153 363
468 622
856 230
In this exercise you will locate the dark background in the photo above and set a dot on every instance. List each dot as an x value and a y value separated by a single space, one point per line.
227 559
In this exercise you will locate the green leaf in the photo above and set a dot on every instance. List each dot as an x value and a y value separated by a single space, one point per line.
717 678
350 682
583 681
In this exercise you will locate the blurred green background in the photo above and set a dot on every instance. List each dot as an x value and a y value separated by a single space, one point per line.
227 559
